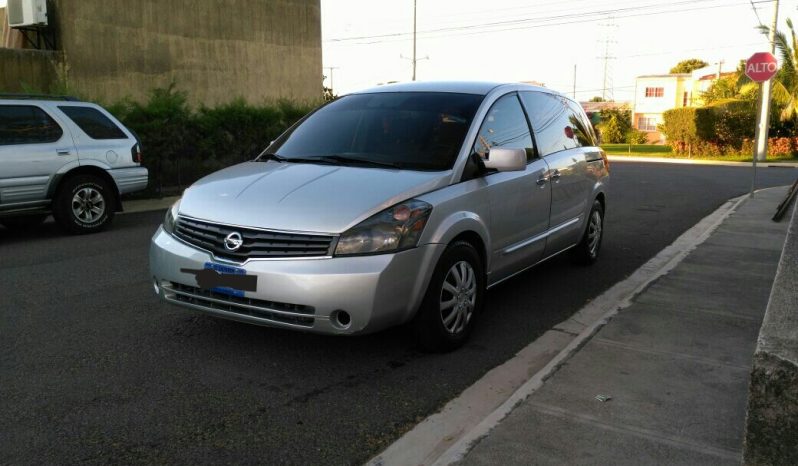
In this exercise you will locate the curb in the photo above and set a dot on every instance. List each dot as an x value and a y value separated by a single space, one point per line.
446 437
147 205
632 158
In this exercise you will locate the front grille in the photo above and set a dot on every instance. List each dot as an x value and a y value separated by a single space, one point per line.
293 314
257 243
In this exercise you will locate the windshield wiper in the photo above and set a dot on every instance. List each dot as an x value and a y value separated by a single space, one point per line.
355 160
279 158
266 156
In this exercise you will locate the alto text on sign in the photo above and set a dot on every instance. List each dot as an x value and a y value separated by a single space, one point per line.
761 66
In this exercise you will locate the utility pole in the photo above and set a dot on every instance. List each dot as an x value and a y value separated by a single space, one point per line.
764 103
413 59
720 64
331 68
574 95
414 40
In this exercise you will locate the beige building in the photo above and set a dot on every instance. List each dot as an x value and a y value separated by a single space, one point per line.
656 94
215 51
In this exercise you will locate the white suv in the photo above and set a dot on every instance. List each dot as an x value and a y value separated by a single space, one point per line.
69 158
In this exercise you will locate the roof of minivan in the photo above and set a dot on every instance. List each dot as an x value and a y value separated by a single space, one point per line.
460 87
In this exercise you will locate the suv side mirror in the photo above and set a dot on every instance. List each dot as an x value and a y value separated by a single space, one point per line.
506 160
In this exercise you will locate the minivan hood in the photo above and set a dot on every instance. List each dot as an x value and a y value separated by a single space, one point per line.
302 196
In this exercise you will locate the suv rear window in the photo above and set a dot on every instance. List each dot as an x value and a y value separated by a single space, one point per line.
26 124
93 122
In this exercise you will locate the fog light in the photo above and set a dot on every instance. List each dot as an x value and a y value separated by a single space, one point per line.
341 319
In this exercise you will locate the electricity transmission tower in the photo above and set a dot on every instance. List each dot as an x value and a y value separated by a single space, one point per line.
607 44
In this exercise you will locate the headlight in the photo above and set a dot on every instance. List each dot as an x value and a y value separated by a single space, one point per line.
391 230
171 216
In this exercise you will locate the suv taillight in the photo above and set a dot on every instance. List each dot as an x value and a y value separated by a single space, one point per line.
136 153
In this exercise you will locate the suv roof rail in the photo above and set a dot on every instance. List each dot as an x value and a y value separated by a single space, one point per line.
12 96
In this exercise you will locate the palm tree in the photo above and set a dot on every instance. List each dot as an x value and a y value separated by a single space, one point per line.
785 84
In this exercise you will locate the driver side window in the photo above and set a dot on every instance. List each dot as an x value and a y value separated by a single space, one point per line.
505 126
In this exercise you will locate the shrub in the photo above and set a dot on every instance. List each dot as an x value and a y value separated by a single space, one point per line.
679 126
726 123
634 136
615 123
181 145
776 146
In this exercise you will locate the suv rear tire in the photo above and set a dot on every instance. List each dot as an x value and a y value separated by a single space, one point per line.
457 287
84 204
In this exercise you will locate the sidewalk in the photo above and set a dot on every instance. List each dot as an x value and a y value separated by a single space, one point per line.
146 205
674 366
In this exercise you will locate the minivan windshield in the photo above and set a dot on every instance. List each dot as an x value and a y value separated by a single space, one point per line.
409 130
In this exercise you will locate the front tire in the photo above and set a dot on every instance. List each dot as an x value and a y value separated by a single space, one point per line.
84 204
587 251
453 300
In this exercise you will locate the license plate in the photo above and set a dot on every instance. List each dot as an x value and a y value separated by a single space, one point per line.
225 279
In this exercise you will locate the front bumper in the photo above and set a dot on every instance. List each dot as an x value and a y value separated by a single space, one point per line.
376 291
131 179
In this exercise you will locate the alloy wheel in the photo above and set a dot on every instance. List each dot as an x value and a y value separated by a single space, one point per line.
458 297
88 205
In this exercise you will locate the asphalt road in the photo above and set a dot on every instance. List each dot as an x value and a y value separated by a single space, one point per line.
93 369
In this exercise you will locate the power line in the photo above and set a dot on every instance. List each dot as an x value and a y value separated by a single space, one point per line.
758 20
552 19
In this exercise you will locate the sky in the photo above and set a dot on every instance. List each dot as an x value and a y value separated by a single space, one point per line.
369 42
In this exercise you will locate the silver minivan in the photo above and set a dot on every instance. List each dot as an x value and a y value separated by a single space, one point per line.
402 203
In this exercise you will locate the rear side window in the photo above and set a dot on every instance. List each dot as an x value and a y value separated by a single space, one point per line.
552 121
27 124
93 122
505 126
583 129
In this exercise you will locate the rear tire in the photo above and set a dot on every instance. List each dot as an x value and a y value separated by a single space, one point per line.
453 300
587 251
23 223
84 204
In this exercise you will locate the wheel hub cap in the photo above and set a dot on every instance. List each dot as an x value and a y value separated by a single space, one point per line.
88 205
458 297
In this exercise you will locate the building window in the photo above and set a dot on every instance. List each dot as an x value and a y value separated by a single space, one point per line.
646 123
655 91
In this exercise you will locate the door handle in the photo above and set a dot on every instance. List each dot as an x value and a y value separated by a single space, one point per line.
63 151
556 175
542 181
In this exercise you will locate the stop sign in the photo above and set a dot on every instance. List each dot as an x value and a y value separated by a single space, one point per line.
761 66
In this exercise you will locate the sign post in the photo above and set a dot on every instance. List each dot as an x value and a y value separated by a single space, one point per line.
761 68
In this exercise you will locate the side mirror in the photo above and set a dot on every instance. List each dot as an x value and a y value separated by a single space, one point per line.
506 160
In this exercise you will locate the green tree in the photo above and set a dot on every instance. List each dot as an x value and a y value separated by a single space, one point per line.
615 123
597 99
722 89
785 84
687 66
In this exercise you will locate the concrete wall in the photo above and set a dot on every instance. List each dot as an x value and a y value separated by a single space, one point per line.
28 70
771 435
214 49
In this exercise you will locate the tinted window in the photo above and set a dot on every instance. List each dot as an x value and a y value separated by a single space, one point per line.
26 124
505 126
551 122
414 130
583 129
93 123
